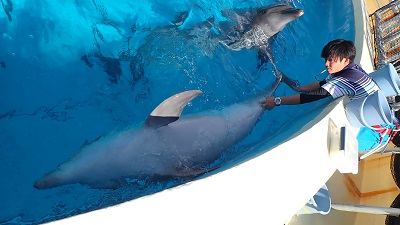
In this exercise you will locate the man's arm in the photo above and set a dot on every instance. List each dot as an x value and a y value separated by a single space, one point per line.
312 86
269 103
310 96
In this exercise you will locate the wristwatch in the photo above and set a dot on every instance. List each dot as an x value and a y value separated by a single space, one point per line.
277 101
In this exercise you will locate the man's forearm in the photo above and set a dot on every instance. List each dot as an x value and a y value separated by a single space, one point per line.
310 87
291 100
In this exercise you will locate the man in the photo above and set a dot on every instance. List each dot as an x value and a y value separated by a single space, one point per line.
347 78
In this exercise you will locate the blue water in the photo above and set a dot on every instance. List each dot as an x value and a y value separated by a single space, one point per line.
76 70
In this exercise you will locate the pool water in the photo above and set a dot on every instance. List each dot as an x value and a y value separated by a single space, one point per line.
72 71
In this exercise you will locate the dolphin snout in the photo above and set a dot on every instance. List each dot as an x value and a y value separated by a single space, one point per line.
47 182
298 12
40 184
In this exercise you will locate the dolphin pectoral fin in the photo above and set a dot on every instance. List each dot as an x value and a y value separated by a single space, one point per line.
273 87
265 55
293 84
170 109
263 60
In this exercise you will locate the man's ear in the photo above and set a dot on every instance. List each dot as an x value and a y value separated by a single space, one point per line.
346 60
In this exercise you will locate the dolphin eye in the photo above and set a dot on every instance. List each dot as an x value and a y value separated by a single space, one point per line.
263 11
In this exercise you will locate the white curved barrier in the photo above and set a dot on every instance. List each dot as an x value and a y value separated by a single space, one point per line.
268 189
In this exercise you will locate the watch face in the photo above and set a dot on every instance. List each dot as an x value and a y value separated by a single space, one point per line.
277 101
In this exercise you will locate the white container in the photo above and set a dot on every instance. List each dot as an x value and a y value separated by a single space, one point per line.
387 79
369 111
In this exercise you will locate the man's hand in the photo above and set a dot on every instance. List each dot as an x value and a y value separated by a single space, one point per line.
268 103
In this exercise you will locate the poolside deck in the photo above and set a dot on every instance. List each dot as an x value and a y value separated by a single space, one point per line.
374 184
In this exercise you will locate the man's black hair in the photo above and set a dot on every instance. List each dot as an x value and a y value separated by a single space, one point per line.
339 49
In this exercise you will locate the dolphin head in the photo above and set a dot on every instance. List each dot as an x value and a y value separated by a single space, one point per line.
273 19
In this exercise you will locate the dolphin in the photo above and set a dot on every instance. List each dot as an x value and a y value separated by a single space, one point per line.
257 30
266 24
241 29
165 146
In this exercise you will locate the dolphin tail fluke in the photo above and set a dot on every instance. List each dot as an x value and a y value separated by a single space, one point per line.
170 109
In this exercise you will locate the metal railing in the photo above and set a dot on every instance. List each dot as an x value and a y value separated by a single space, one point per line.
385 26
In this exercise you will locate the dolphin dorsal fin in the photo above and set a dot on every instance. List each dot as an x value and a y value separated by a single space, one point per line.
170 109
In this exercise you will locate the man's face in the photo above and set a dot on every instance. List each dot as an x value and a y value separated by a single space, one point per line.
335 64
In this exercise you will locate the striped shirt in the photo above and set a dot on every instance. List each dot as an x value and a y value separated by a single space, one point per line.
352 81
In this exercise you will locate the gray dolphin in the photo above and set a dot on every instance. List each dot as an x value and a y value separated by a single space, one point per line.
265 24
165 146
245 28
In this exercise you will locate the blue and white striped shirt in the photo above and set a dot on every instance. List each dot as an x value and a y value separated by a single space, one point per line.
352 81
